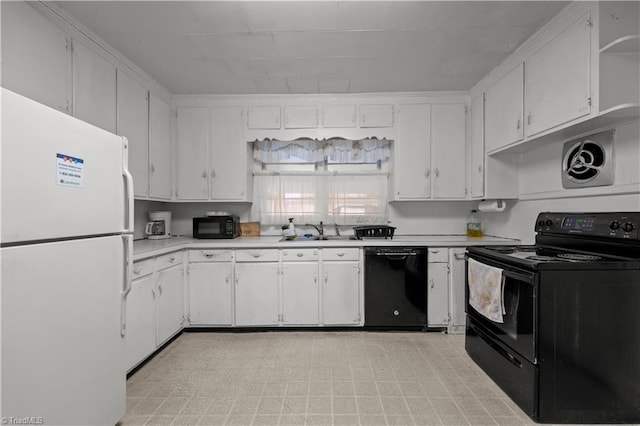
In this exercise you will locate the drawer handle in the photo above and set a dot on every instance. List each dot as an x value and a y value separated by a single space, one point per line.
300 254
339 254
137 271
172 259
208 255
459 256
160 290
434 251
256 255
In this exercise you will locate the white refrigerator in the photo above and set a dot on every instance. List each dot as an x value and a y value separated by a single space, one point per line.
67 222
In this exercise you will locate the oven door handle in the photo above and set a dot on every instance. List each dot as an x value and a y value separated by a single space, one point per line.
517 276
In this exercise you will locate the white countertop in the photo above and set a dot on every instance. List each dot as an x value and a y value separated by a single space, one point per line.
148 248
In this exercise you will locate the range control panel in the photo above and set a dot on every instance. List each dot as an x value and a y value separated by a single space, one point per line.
610 225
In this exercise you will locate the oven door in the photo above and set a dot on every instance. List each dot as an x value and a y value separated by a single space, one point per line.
520 308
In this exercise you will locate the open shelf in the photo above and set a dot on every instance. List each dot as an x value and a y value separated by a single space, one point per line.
626 44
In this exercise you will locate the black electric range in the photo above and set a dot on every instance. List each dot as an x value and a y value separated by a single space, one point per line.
563 339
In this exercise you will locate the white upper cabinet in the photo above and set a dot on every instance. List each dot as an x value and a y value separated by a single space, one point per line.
159 148
229 155
35 57
448 150
476 163
300 117
504 110
263 117
339 116
193 129
412 153
133 122
94 88
376 115
557 79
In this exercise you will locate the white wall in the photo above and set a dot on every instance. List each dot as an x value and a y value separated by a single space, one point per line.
518 222
541 185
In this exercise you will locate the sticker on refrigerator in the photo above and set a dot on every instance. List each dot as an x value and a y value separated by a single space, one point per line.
69 170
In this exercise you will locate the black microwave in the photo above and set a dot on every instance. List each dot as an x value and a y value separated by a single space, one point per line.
225 226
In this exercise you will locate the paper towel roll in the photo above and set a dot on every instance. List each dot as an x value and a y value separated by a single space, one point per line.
492 206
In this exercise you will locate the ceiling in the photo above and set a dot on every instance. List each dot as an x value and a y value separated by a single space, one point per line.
224 47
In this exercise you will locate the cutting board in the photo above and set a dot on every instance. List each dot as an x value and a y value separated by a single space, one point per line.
250 229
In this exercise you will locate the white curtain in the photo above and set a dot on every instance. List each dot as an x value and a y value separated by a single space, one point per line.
357 199
276 151
357 151
336 150
279 197
344 199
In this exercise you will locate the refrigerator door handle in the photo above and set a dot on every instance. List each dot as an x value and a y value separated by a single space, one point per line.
128 180
128 278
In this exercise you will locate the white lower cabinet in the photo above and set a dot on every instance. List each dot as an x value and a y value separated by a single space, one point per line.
300 293
170 307
438 287
141 320
256 293
341 293
210 293
155 305
457 269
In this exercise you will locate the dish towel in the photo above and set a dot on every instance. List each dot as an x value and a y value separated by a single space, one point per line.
485 290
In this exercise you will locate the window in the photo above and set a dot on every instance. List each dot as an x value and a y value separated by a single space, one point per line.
314 181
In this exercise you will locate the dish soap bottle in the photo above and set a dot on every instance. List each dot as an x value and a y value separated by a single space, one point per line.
292 230
474 226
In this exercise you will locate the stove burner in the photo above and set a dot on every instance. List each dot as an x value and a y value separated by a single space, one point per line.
542 258
576 256
511 249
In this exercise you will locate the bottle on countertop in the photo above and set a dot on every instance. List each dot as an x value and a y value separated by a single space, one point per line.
292 229
474 226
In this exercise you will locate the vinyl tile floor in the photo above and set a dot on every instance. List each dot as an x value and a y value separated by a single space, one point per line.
316 378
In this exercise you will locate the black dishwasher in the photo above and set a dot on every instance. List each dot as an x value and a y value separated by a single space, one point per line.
395 287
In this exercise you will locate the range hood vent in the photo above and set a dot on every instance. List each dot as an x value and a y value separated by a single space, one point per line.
588 161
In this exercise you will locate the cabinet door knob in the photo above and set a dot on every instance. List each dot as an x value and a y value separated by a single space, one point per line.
427 172
518 124
432 283
437 172
204 174
153 169
480 168
529 119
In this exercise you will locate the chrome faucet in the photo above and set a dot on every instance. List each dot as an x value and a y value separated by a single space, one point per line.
320 228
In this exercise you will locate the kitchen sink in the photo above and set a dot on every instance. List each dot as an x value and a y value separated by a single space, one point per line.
318 238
